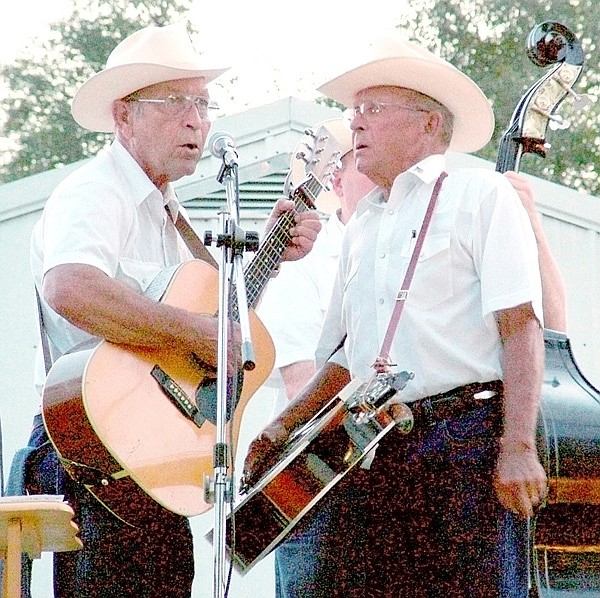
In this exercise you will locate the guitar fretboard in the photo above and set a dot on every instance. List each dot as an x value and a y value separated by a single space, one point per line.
268 256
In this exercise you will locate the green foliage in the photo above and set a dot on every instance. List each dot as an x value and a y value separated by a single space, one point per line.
487 39
43 79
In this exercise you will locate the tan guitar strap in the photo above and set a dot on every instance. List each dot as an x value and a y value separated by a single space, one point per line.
192 240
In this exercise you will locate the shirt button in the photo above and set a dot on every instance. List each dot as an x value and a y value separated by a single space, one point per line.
381 301
390 212
382 255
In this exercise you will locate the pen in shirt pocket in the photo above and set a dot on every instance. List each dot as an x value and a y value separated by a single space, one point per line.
413 240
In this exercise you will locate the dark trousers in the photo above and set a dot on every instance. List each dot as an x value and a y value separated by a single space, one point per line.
423 522
117 560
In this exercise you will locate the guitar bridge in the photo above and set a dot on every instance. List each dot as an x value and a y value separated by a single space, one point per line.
177 395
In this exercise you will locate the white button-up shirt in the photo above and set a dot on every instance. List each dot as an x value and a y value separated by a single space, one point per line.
107 214
479 257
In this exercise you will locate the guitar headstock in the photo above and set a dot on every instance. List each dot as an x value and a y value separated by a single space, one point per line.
315 160
549 43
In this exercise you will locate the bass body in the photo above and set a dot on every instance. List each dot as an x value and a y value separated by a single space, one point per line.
566 531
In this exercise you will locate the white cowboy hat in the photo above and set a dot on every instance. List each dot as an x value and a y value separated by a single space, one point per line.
400 63
327 200
148 56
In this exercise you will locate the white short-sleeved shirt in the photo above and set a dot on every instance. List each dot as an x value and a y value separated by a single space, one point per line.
293 304
107 214
479 257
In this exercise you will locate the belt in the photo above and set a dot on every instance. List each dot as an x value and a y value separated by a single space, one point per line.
455 402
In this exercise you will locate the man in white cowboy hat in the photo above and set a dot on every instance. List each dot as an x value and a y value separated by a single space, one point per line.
443 510
106 233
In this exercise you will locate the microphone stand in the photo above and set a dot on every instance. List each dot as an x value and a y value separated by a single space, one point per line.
233 240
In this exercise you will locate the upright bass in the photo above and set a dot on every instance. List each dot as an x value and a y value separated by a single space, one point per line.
565 534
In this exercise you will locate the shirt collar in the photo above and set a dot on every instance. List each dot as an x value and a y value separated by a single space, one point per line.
142 188
430 168
427 171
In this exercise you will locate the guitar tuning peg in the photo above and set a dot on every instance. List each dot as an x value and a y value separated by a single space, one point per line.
302 156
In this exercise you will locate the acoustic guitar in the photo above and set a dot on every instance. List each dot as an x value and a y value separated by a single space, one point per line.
136 425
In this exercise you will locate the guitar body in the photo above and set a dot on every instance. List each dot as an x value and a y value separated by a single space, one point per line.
316 458
119 433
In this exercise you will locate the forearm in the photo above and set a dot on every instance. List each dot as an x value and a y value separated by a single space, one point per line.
264 449
553 288
109 309
321 388
296 375
520 479
523 363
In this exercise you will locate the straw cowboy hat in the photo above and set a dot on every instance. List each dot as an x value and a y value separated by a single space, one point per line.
400 63
148 56
327 200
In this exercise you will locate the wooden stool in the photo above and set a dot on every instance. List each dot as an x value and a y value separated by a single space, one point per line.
31 525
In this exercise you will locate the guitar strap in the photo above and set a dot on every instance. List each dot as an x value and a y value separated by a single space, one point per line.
384 354
43 334
193 242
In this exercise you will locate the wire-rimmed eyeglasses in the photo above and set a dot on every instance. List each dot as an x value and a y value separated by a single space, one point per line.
372 108
178 105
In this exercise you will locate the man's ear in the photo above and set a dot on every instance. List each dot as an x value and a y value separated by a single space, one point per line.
434 122
336 184
121 112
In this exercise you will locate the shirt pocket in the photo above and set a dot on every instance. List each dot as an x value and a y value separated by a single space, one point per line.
432 282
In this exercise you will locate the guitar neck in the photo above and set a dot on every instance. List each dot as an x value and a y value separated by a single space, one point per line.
268 256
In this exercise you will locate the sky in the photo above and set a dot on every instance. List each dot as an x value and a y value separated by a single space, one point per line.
275 48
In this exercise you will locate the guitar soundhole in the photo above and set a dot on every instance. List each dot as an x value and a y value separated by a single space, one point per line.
206 397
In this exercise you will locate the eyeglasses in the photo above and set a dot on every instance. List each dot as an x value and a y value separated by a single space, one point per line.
374 107
176 106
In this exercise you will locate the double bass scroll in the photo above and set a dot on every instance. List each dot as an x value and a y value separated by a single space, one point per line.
549 44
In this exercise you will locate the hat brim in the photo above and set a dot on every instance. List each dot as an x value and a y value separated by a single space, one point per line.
473 115
91 106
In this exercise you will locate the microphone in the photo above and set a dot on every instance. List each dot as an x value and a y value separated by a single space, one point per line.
221 145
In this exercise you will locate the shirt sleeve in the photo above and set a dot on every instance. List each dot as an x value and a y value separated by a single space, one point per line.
96 218
505 253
